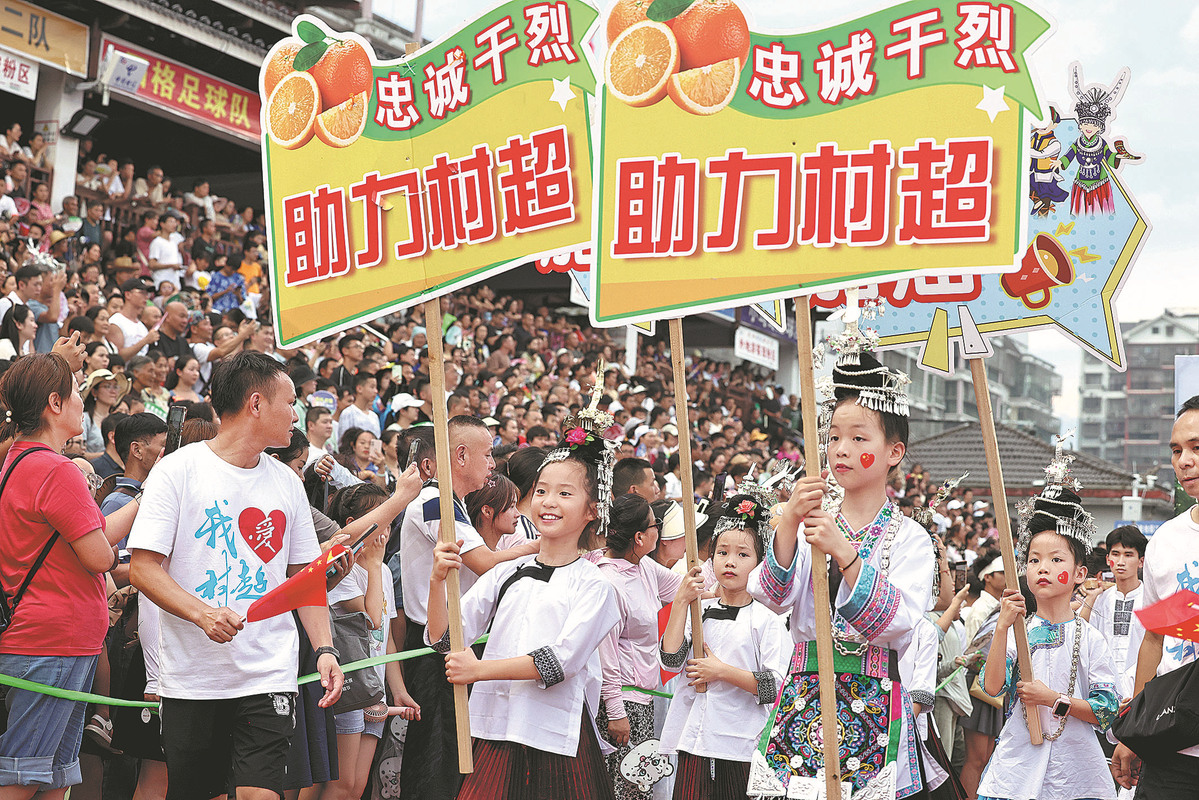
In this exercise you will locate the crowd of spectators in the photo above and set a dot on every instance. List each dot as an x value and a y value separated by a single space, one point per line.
149 310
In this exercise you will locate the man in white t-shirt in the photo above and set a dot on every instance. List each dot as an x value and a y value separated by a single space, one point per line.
360 413
166 261
1112 610
220 525
430 764
208 351
1171 561
132 337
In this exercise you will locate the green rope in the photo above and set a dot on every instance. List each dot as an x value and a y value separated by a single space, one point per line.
101 700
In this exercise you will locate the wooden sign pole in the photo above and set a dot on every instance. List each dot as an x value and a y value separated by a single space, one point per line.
824 614
686 467
982 398
447 533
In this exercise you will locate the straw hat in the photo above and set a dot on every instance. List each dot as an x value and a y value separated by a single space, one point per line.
99 376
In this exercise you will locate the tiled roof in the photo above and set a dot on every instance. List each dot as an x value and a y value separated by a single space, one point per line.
957 450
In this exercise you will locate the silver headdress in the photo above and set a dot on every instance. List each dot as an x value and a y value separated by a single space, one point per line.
750 508
586 436
857 371
924 514
1096 105
1057 502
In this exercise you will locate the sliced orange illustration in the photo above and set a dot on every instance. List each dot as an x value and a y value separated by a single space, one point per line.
640 62
292 109
705 90
341 125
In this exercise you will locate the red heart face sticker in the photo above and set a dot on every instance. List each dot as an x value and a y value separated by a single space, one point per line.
1063 578
867 460
263 532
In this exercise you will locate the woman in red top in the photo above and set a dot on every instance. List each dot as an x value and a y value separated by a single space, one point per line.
58 627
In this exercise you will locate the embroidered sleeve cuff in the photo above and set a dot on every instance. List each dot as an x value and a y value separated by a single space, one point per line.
872 606
775 579
1007 679
673 662
548 667
1104 703
768 690
922 697
442 645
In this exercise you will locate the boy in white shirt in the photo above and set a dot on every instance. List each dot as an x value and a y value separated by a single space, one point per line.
1111 610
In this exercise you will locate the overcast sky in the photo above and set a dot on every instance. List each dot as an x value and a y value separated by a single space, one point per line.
1156 116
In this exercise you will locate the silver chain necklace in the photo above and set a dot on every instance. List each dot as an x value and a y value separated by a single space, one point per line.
1073 679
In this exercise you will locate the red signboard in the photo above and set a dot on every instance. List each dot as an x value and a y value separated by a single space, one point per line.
193 94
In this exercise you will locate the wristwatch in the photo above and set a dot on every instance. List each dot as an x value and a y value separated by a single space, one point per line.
1061 707
320 651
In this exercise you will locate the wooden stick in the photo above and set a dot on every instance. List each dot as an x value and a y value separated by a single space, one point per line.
686 464
447 533
982 398
824 614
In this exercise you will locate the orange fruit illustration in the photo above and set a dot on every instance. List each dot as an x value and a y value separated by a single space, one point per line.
624 15
279 65
711 31
291 110
341 125
640 62
705 90
343 71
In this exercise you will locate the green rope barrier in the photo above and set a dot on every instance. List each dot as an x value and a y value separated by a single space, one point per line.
101 700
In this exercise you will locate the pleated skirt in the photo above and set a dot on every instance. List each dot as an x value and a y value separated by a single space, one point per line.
510 771
698 778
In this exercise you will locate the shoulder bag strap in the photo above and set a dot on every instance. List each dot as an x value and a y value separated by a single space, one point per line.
37 564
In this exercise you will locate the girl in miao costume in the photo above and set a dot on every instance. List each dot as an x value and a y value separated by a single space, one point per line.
716 732
881 567
538 684
1074 686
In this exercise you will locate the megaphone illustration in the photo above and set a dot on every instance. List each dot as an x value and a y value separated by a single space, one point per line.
1045 266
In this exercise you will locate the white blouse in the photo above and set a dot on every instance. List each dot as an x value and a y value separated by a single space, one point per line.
726 721
1072 766
560 622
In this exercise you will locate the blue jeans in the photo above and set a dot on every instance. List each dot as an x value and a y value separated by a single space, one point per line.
41 745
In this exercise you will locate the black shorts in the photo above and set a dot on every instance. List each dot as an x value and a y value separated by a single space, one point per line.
212 746
136 732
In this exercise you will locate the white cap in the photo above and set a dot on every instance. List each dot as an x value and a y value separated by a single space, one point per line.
404 400
994 566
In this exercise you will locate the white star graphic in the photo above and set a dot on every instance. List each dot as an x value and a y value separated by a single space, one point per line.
993 102
562 92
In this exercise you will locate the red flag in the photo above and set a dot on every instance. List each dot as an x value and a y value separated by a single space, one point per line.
305 588
663 619
1176 615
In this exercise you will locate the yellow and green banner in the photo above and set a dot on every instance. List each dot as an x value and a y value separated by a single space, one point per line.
390 182
766 165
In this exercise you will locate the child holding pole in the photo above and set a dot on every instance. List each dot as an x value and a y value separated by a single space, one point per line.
1075 691
881 569
538 685
747 647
